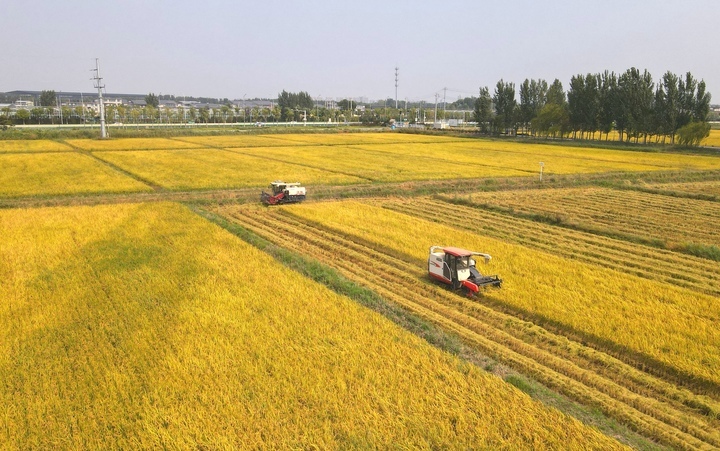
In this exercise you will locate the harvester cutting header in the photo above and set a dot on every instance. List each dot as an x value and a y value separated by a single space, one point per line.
283 193
456 267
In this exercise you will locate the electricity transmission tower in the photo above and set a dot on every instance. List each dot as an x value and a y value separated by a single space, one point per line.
98 84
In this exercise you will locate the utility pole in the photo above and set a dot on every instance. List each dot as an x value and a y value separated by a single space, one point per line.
100 87
58 103
436 100
444 103
396 86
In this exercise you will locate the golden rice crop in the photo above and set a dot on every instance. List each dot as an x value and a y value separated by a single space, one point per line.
642 400
212 168
235 140
131 144
632 213
713 140
378 166
670 325
60 173
32 145
143 326
363 138
495 157
578 157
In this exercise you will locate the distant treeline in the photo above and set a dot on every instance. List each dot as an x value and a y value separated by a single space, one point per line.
630 104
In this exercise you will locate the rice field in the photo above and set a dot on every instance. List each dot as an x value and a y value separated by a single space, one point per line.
131 144
386 252
670 325
713 140
708 188
37 145
60 173
671 221
235 140
379 166
666 266
578 156
215 169
241 161
335 139
145 326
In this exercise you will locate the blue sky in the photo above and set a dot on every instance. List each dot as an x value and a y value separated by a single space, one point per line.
339 49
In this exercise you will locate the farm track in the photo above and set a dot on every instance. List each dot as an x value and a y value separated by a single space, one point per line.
666 266
648 404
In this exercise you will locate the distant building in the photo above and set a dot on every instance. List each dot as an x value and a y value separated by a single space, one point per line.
23 105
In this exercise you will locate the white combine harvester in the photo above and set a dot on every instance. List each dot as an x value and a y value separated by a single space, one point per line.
456 267
283 193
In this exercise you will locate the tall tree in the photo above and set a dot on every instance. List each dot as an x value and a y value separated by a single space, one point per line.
152 100
505 106
583 103
291 101
638 95
607 102
532 99
576 99
48 98
702 103
555 93
483 110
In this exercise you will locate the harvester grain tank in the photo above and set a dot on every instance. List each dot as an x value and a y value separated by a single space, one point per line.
456 267
283 193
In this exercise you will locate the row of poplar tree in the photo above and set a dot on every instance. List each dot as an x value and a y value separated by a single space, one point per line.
630 104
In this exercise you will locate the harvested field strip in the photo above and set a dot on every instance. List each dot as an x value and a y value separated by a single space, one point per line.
648 262
632 213
709 188
499 334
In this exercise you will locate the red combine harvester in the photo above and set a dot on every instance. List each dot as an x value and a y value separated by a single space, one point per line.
283 193
456 267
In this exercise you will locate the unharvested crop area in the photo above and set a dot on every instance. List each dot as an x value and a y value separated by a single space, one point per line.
142 324
39 145
145 326
213 168
60 173
241 161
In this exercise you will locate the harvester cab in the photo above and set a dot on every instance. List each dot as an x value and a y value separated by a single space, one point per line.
456 267
283 193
